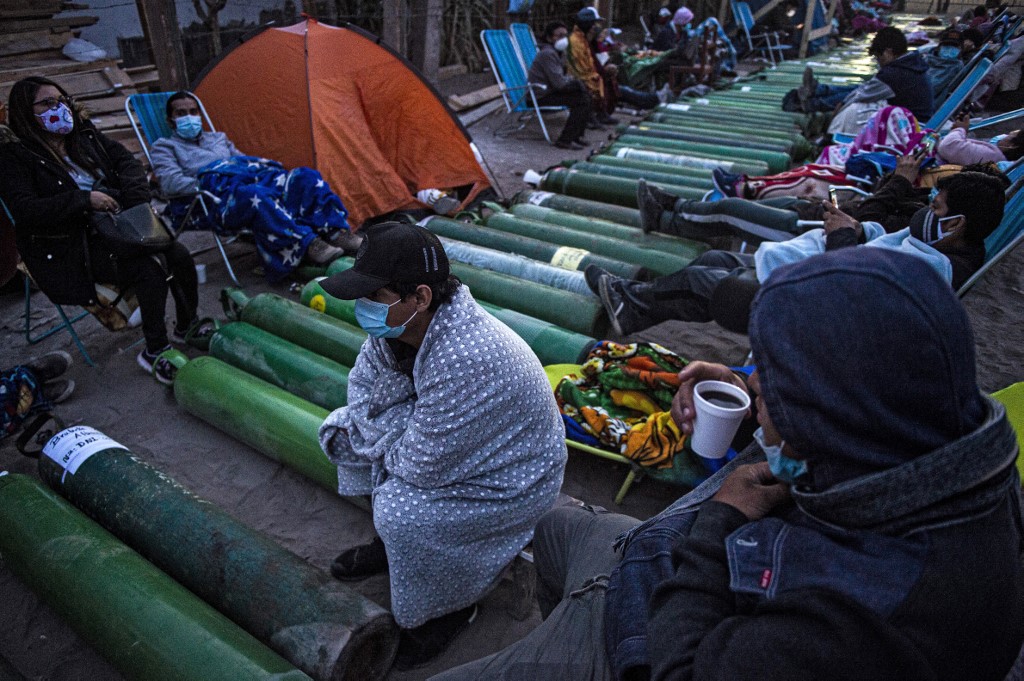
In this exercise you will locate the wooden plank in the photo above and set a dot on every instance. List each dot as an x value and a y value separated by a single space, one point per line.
22 25
480 113
15 68
110 121
475 98
772 4
32 41
105 105
452 70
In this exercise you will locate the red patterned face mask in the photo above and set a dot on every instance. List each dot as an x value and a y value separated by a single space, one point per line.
57 120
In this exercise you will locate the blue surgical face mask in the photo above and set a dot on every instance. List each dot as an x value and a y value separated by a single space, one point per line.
998 138
784 468
188 127
373 318
949 52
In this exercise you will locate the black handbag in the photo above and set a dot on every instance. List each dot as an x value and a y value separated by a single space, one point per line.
134 231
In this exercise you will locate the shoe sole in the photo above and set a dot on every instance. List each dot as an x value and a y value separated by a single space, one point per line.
609 307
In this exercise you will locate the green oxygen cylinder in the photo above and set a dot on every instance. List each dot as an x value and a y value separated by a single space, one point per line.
578 206
301 372
776 160
267 418
617 190
311 619
544 251
144 623
656 261
653 177
552 344
296 323
571 311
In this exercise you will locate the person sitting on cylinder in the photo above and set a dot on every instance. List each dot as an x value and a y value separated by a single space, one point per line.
555 87
293 215
451 425
872 532
56 171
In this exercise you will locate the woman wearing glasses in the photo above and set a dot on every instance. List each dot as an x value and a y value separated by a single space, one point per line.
56 170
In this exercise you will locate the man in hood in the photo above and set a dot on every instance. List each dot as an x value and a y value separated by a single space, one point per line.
873 533
902 80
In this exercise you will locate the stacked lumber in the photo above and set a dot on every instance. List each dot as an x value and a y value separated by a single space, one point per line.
31 40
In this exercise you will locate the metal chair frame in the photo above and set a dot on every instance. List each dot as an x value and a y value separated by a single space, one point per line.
153 126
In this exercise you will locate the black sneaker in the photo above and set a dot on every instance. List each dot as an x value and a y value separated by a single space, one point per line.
359 562
807 89
605 119
59 390
49 366
593 276
567 144
420 645
197 334
650 208
620 313
725 182
161 369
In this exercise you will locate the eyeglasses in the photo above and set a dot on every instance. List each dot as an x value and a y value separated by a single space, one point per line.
52 102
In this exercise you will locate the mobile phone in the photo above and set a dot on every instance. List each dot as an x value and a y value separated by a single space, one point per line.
832 196
930 140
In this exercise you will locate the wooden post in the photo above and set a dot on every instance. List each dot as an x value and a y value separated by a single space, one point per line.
606 8
394 25
805 34
500 14
159 20
723 10
425 36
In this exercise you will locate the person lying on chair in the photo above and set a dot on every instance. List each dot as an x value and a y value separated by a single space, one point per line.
57 171
294 216
872 531
451 425
949 235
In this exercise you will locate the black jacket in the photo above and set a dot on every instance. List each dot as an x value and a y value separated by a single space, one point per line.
51 214
908 77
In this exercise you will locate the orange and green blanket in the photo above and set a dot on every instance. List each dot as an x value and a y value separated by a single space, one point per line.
621 402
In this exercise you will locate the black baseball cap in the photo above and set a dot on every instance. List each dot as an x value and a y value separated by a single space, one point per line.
391 252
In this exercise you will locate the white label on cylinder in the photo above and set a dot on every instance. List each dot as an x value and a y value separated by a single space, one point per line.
71 447
745 88
568 258
537 198
678 107
703 101
839 79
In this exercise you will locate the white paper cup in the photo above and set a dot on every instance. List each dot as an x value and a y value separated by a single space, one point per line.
201 273
719 409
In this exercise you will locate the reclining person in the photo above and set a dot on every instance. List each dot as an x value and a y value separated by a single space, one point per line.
892 204
451 424
852 553
949 235
294 216
904 73
959 149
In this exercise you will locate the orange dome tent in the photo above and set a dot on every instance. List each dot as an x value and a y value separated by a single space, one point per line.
337 100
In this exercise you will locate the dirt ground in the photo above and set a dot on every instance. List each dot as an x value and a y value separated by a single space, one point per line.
117 398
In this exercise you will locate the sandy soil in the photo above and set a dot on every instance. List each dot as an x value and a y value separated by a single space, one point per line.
117 398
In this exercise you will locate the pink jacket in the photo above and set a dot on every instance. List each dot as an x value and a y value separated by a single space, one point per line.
958 149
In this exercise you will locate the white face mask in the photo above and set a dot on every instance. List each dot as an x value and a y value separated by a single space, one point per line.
562 44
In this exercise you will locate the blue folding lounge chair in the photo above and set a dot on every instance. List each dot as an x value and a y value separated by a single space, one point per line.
148 115
525 43
958 96
516 92
766 43
1007 236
